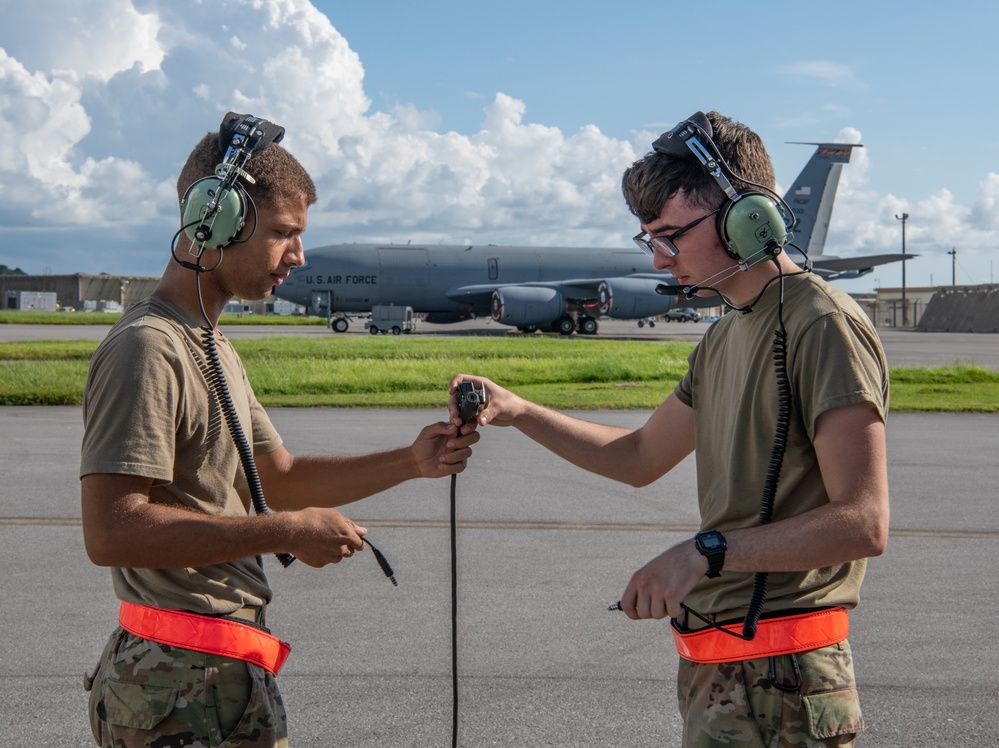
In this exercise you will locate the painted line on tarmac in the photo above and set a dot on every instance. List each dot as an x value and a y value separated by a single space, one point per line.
487 524
40 521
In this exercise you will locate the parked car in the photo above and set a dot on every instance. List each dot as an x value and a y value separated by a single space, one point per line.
683 314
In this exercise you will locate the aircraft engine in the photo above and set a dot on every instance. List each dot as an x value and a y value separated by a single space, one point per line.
522 306
634 298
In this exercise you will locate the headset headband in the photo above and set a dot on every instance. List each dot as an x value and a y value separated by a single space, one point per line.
247 133
693 136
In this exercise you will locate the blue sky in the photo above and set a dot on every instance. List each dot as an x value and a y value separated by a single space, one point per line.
451 122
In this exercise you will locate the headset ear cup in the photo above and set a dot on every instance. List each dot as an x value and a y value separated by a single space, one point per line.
213 232
749 223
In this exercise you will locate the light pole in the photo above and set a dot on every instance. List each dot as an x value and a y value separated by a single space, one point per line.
905 310
953 266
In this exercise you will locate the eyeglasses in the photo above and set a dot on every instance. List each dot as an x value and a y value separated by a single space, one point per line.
665 243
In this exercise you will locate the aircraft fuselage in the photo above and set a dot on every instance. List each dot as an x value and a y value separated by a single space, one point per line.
458 281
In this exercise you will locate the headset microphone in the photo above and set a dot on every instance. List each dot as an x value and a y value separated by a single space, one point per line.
664 289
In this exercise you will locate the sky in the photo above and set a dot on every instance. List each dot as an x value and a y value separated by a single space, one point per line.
492 123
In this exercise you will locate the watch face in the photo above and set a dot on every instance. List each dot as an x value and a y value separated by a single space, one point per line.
712 542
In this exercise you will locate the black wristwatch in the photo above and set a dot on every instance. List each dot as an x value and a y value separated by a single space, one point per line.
712 546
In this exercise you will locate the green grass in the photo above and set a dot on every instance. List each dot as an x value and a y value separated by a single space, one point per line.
25 317
404 372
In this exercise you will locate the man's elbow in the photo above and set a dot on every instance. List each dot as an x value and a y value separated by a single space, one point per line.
100 548
875 535
638 480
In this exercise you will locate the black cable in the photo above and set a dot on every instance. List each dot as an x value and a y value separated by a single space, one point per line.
769 493
469 400
382 561
217 383
759 595
454 613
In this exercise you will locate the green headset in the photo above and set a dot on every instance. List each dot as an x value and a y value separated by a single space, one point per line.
753 223
213 210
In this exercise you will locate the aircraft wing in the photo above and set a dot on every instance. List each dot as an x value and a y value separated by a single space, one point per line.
832 268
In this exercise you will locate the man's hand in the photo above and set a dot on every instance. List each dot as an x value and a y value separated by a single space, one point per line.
323 536
657 589
502 406
440 450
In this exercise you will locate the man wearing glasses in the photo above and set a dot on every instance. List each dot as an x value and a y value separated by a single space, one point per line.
785 401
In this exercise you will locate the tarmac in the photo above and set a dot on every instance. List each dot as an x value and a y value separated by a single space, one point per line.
543 548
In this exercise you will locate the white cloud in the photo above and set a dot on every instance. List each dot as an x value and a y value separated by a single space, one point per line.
985 214
81 38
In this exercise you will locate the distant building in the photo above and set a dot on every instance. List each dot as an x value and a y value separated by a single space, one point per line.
111 293
237 307
76 291
935 308
884 305
39 301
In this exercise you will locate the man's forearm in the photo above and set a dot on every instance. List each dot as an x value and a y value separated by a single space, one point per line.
332 481
153 536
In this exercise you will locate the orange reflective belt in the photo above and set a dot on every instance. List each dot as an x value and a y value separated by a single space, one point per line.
774 636
218 636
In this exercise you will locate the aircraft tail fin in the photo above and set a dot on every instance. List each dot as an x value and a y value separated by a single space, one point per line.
813 192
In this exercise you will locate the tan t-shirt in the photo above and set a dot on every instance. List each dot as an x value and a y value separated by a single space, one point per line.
148 411
834 358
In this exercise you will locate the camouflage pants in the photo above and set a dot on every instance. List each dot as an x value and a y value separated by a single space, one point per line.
734 704
148 694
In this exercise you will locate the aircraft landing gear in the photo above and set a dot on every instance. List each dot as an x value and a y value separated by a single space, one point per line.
588 325
340 324
565 325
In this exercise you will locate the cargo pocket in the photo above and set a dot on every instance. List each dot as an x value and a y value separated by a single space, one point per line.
833 713
263 721
138 706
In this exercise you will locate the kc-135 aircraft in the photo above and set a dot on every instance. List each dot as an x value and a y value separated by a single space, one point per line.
558 289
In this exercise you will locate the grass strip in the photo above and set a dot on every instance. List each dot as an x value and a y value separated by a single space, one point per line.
402 372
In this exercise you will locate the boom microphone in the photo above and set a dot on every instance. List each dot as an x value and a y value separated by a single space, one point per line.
664 289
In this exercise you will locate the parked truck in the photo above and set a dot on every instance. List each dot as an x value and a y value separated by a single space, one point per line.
391 318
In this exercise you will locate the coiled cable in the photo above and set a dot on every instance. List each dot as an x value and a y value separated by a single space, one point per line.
769 494
217 383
